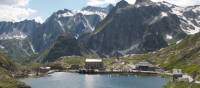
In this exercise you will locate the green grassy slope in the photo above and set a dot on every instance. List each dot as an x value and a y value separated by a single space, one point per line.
182 85
185 55
17 50
7 67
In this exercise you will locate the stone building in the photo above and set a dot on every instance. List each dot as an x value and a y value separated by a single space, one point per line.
145 66
94 64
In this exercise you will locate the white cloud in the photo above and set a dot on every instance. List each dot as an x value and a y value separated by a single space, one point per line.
14 2
176 2
10 13
16 10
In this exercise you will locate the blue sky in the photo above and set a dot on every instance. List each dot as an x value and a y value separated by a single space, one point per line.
46 7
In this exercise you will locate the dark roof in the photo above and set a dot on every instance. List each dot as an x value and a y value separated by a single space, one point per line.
144 63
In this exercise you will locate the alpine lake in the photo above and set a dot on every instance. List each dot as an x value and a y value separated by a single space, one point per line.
75 80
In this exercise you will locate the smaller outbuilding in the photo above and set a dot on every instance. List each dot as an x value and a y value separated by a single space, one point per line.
177 73
44 69
145 66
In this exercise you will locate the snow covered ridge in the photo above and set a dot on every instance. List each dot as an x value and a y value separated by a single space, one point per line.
13 35
84 12
67 14
189 17
101 14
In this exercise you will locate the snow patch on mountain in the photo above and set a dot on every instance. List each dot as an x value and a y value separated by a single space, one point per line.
61 25
32 48
66 14
196 9
2 47
76 36
157 18
13 35
84 12
164 14
178 41
169 37
87 24
26 52
189 24
190 31
129 49
154 20
44 36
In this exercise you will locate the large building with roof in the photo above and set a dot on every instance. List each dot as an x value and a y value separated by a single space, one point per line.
145 66
94 64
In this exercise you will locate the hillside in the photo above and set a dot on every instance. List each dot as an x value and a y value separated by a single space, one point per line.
181 85
65 45
6 68
185 54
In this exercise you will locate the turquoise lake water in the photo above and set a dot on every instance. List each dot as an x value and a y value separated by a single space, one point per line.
74 80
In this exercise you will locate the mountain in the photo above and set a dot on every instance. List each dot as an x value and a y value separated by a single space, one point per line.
143 27
22 40
134 29
183 55
16 39
189 17
98 9
124 29
18 50
66 45
71 25
64 21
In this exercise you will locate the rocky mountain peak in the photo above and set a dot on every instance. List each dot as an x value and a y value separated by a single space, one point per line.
122 4
93 9
110 7
142 1
63 11
98 9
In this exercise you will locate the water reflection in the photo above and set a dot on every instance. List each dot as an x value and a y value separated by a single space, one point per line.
89 81
73 80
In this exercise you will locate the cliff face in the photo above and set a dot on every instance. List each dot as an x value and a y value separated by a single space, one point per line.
183 54
139 28
65 45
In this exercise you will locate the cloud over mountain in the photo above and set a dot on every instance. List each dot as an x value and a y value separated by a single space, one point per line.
16 10
14 2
